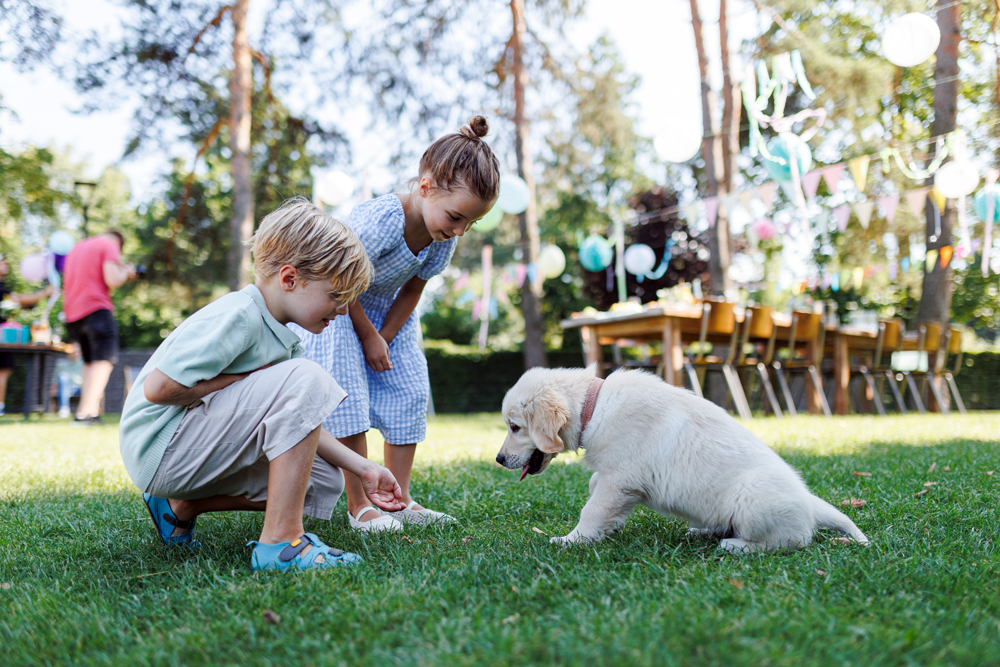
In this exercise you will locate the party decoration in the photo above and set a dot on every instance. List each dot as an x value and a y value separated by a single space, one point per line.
931 259
595 253
551 261
727 204
841 214
989 197
766 194
915 200
957 179
778 163
832 176
987 217
489 222
764 229
864 212
333 188
639 259
859 277
945 254
712 209
691 213
889 205
681 147
514 195
61 242
746 197
910 40
936 196
810 182
859 170
34 268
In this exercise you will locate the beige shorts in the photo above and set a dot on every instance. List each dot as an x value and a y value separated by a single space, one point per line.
225 442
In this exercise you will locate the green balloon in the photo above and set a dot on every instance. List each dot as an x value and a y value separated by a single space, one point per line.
489 221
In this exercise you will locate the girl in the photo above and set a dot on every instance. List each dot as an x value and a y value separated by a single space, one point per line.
375 354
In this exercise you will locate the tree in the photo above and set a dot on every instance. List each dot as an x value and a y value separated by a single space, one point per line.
31 31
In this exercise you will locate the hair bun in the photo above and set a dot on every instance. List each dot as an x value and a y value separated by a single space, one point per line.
476 128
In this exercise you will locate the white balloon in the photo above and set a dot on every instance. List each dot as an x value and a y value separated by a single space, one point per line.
910 40
680 146
514 194
957 179
639 259
551 261
333 188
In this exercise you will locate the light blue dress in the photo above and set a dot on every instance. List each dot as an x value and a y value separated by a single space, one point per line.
394 401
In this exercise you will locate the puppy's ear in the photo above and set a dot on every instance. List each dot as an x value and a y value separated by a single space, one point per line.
592 369
546 415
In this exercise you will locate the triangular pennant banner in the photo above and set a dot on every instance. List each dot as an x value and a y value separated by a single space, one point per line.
931 259
904 264
712 210
691 213
946 253
939 199
864 212
859 277
889 206
746 197
915 199
810 182
766 194
728 203
841 214
892 269
859 170
832 175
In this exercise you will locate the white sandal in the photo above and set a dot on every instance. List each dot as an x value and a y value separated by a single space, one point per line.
421 517
380 523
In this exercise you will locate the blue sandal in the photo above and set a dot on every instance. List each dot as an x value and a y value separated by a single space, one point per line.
288 555
166 521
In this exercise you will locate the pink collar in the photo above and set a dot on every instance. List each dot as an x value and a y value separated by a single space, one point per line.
589 404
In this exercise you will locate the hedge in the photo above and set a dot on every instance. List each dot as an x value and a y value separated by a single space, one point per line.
979 381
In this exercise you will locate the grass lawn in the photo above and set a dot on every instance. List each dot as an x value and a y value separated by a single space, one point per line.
84 581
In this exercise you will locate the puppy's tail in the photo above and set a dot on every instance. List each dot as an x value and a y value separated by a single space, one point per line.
828 516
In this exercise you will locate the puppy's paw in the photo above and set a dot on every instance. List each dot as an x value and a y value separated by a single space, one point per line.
736 545
700 532
563 541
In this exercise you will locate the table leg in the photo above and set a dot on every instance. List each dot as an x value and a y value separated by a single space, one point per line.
673 353
28 388
841 374
592 353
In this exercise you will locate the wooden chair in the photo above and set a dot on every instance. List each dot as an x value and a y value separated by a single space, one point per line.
806 328
952 346
718 318
760 332
930 336
889 340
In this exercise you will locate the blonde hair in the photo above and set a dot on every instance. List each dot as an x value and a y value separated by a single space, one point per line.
463 159
319 246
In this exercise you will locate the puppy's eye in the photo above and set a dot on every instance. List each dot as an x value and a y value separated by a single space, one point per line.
514 428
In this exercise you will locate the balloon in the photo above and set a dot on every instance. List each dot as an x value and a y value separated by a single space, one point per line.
782 171
639 259
333 188
61 242
595 253
764 229
979 204
551 261
34 268
680 147
60 263
957 179
513 195
910 40
489 222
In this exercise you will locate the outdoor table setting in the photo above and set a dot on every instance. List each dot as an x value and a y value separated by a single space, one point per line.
38 365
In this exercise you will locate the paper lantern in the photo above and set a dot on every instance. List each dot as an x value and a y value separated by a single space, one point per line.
551 261
513 195
957 179
910 40
780 169
489 222
333 188
595 253
61 242
34 268
979 203
764 229
639 259
680 146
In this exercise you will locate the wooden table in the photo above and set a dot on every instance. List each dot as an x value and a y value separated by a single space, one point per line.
36 358
673 324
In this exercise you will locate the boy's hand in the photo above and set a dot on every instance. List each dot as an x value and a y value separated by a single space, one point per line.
376 352
382 488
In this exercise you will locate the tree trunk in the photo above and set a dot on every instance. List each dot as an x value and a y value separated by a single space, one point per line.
711 153
240 87
531 290
935 299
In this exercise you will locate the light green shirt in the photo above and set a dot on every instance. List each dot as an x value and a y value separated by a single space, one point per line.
234 334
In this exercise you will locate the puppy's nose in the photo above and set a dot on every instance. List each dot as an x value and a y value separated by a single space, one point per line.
500 458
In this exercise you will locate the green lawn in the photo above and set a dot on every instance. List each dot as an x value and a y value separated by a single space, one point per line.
84 581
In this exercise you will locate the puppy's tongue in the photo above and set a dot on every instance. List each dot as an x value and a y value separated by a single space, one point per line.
524 471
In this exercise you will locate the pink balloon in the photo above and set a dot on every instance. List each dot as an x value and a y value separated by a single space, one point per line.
33 268
765 229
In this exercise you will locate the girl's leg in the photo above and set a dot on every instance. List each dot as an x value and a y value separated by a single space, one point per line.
357 500
399 460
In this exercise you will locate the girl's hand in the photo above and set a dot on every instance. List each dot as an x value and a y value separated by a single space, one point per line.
376 352
382 489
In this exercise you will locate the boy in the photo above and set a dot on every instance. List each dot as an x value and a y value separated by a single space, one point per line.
225 417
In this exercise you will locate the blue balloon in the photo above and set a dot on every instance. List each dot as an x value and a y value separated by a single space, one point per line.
61 242
780 169
595 253
979 203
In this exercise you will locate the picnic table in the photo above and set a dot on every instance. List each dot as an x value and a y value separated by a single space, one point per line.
35 392
677 325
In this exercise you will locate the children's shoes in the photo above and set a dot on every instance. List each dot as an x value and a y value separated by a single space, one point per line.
288 555
379 523
424 517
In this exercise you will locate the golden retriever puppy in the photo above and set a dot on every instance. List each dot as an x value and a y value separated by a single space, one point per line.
659 445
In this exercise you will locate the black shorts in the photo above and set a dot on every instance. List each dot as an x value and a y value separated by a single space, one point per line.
97 335
6 361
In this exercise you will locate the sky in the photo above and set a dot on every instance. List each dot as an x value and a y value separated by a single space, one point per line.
653 36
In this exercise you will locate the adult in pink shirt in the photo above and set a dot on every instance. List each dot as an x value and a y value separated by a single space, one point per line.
93 269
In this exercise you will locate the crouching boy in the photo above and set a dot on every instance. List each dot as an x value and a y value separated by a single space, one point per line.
225 416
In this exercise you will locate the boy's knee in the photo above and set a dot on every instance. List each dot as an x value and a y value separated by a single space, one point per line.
310 378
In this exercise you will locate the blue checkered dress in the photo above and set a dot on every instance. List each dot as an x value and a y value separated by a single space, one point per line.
395 401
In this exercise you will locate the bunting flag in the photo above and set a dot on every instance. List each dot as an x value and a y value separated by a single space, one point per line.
991 179
691 213
931 259
522 272
810 182
859 277
904 264
889 205
939 199
835 282
832 175
727 204
712 209
945 254
462 281
841 214
915 200
825 283
859 170
864 212
476 309
892 269
746 197
766 194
